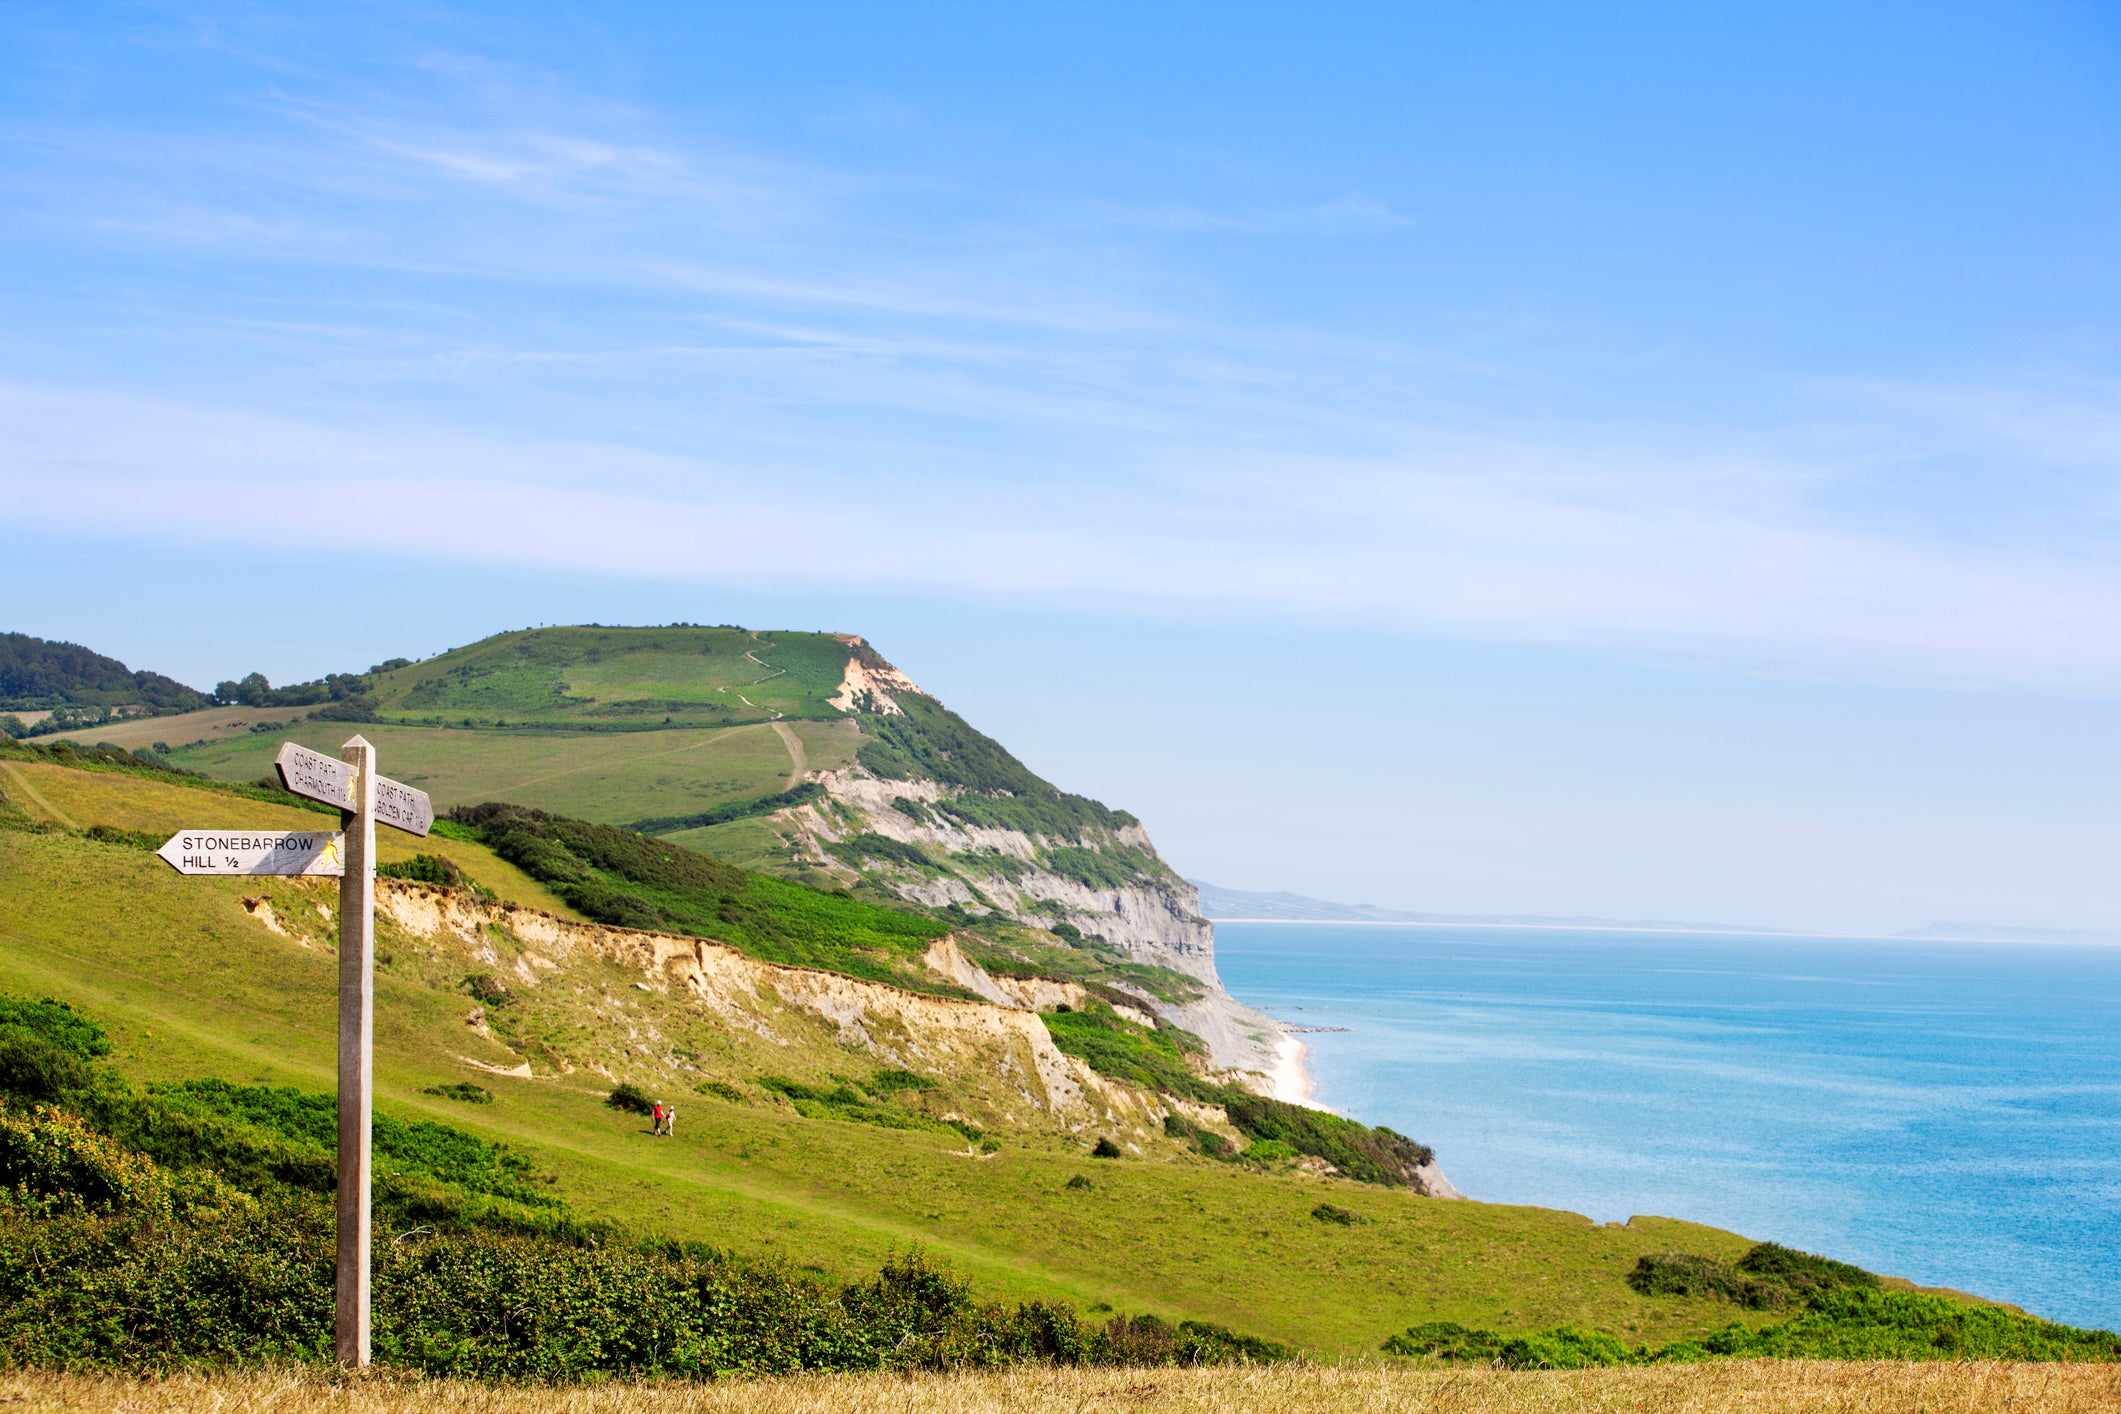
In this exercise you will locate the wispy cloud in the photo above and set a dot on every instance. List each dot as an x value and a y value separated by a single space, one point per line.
555 329
1431 544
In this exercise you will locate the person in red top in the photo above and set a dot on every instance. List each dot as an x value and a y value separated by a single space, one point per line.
657 1127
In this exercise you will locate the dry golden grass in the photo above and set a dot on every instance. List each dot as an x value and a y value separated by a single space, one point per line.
1757 1387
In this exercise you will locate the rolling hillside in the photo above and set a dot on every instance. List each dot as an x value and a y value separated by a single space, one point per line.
826 1118
850 1081
805 755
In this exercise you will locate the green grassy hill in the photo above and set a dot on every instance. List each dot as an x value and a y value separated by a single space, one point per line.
828 1121
590 678
193 983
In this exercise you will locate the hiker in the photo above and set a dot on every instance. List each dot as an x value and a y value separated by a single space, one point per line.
657 1126
670 1121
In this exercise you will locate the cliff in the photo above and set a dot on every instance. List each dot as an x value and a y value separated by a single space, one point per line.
942 815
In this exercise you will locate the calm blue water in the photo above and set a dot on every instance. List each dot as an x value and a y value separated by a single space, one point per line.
1945 1112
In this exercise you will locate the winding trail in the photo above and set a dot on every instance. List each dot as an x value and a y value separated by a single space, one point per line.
798 759
22 784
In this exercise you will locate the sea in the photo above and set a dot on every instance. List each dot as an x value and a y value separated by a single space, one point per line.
1945 1112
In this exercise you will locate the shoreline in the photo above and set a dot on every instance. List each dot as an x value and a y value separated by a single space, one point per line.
1291 1077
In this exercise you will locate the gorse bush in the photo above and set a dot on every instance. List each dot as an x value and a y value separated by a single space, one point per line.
1684 1274
1267 1151
1766 1278
53 1162
630 1098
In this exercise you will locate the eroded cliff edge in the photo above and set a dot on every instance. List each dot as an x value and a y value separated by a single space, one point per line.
940 814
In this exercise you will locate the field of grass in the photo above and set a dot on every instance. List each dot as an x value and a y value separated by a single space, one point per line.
1756 1386
211 724
619 676
191 985
193 982
607 777
80 799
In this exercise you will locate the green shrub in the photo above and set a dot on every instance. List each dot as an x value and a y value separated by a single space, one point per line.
1866 1323
425 869
1802 1272
52 1161
56 1022
1329 1213
722 1090
1850 1322
1562 1348
1446 1340
34 1068
1106 1149
1684 1274
488 989
887 1081
129 839
1357 1150
463 1090
1078 1182
1156 1060
855 851
1767 1277
1267 1151
631 1098
632 880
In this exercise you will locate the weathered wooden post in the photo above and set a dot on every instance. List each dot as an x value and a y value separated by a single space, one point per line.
357 987
363 798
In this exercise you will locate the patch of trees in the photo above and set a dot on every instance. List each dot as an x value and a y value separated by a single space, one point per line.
38 673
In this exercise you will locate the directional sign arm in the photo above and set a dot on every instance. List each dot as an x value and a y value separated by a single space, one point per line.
315 775
403 807
318 777
314 852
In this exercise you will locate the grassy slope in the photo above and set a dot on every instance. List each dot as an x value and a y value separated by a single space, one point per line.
81 799
191 985
611 778
620 676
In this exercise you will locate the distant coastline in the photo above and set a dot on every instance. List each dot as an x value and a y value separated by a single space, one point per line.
1221 905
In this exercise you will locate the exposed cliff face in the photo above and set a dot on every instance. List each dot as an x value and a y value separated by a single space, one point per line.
668 1011
942 815
667 1008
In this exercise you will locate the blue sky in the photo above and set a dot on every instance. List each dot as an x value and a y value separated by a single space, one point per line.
1653 461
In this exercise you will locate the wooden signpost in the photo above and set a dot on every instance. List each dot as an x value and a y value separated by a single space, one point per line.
363 798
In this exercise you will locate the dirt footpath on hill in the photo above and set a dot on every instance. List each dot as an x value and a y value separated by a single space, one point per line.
1755 1386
